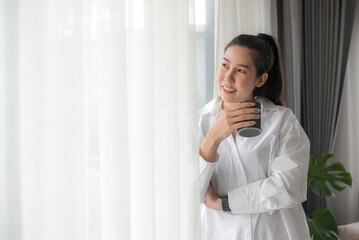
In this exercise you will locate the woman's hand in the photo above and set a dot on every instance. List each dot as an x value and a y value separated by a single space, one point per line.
235 117
212 200
228 122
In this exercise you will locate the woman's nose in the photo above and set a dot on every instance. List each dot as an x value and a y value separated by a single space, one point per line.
230 75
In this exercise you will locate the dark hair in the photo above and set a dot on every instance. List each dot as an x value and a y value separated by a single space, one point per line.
266 56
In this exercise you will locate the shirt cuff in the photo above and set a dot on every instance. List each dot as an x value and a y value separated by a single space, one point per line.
206 171
246 199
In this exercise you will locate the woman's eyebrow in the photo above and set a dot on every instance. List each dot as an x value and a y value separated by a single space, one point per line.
240 65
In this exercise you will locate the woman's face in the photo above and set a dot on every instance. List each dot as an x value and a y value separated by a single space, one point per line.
237 76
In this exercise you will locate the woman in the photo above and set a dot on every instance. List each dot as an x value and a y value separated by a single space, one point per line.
252 188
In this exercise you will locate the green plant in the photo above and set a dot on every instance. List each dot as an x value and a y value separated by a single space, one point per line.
323 224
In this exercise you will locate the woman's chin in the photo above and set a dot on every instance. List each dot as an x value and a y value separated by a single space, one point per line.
229 98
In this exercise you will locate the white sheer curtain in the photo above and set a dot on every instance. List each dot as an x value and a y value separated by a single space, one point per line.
345 206
98 120
242 17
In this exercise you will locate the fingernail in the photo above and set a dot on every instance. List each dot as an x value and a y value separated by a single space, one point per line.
254 122
253 103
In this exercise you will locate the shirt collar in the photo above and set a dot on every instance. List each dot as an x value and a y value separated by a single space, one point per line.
266 103
214 107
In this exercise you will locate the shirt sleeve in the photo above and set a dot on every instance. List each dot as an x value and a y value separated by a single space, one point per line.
206 168
286 186
206 171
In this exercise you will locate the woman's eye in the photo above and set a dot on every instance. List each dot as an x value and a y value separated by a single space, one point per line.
241 70
224 65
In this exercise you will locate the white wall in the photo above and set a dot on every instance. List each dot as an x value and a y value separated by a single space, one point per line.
345 205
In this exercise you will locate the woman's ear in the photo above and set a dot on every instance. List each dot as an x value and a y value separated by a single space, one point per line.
262 80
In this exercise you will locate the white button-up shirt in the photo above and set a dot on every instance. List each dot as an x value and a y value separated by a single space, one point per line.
265 178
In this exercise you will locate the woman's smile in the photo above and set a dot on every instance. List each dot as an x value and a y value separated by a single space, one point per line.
228 90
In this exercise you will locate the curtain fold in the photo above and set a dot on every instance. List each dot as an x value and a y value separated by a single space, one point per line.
326 35
290 34
327 32
52 119
111 91
100 111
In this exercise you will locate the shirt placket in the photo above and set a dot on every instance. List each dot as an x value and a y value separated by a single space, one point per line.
237 161
248 228
242 179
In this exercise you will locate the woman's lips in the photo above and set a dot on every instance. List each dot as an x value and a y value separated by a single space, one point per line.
228 92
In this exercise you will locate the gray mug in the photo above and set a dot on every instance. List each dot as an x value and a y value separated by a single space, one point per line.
254 130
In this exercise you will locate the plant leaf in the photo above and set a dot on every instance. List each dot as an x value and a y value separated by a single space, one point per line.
320 175
323 159
336 186
312 162
324 188
323 225
335 167
314 188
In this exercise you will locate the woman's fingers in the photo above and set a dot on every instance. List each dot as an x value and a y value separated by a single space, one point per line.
242 111
241 105
244 124
245 117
